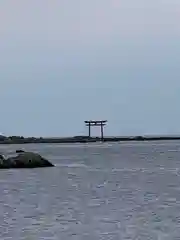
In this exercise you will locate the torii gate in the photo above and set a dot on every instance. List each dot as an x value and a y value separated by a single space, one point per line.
99 123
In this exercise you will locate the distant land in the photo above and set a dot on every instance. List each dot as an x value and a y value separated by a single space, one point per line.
81 139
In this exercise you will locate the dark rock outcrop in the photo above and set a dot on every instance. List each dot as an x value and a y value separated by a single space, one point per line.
25 160
2 157
20 151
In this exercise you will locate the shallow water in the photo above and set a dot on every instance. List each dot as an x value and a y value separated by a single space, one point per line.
96 191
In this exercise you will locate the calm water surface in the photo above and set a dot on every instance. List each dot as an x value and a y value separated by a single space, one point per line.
96 191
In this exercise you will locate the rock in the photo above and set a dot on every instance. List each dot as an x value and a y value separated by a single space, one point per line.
2 157
20 151
25 160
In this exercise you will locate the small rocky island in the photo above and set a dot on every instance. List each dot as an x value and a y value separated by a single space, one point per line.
24 160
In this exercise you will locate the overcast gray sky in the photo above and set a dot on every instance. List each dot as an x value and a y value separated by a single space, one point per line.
64 61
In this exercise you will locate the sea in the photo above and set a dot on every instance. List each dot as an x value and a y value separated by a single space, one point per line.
96 191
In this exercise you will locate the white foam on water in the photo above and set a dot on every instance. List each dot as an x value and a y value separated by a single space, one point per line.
71 165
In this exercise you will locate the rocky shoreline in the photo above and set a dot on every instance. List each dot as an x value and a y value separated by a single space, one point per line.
81 139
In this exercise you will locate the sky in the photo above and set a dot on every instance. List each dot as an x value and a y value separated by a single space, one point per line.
63 62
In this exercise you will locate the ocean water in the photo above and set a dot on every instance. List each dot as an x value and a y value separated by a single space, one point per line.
128 191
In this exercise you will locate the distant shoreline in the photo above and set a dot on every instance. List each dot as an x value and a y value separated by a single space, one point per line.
82 139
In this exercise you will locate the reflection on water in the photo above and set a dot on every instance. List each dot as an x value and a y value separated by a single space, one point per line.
104 191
